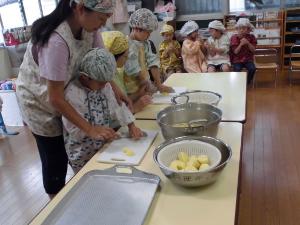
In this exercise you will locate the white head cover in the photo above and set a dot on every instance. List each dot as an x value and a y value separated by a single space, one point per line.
102 6
216 24
143 19
244 22
188 28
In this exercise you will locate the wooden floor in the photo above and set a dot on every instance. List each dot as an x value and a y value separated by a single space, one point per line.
270 175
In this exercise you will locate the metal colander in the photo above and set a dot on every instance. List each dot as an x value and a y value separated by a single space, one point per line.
191 147
163 157
197 96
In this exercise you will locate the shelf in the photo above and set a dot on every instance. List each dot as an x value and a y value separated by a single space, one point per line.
291 33
268 46
289 44
288 56
292 21
262 38
265 20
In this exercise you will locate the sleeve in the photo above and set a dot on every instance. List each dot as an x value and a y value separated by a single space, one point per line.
151 58
78 104
53 59
191 47
253 40
98 41
225 44
132 65
121 113
234 43
162 48
177 45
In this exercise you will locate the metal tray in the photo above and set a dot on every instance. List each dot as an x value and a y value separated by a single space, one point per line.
116 196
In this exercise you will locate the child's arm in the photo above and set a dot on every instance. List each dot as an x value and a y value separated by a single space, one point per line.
252 44
134 132
224 46
191 47
122 113
163 51
156 76
177 49
76 97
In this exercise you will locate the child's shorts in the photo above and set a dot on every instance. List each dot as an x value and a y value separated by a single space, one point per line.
218 67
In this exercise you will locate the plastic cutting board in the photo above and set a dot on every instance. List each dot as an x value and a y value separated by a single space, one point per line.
113 153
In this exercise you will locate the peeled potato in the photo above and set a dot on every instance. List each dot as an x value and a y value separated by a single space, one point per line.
190 168
203 159
177 165
184 157
193 162
203 166
128 151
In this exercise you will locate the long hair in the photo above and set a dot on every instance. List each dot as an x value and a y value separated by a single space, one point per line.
43 27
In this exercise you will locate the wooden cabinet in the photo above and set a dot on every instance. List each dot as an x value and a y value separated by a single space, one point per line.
291 33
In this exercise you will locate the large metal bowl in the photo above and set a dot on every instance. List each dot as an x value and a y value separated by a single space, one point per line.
196 119
197 178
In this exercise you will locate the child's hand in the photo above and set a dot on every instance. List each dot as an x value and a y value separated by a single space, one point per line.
135 132
170 48
142 102
102 133
163 88
244 41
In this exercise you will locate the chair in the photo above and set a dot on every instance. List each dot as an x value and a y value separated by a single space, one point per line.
294 64
266 59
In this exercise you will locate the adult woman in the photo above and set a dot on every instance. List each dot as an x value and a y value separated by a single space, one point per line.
58 42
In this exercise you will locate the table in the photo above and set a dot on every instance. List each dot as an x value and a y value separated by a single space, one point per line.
214 204
231 85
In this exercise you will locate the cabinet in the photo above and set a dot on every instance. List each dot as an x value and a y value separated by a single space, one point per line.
269 27
291 33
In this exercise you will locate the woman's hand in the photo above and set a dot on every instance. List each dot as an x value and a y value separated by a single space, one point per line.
135 132
102 133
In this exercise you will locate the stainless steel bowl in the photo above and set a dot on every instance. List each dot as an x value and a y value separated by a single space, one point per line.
197 96
198 178
196 119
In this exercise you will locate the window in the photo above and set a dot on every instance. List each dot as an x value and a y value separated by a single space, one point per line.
187 7
261 4
32 10
11 16
48 6
292 3
242 5
236 6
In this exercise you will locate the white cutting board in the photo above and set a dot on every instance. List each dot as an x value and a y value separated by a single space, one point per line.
113 153
158 98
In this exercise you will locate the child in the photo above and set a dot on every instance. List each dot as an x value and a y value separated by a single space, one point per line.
242 48
141 59
192 55
117 43
217 47
169 52
92 97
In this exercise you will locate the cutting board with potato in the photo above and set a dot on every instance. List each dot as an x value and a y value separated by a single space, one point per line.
165 98
126 150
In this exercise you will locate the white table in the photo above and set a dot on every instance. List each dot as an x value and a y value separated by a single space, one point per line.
214 204
231 85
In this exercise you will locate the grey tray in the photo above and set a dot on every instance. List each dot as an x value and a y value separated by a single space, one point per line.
107 197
